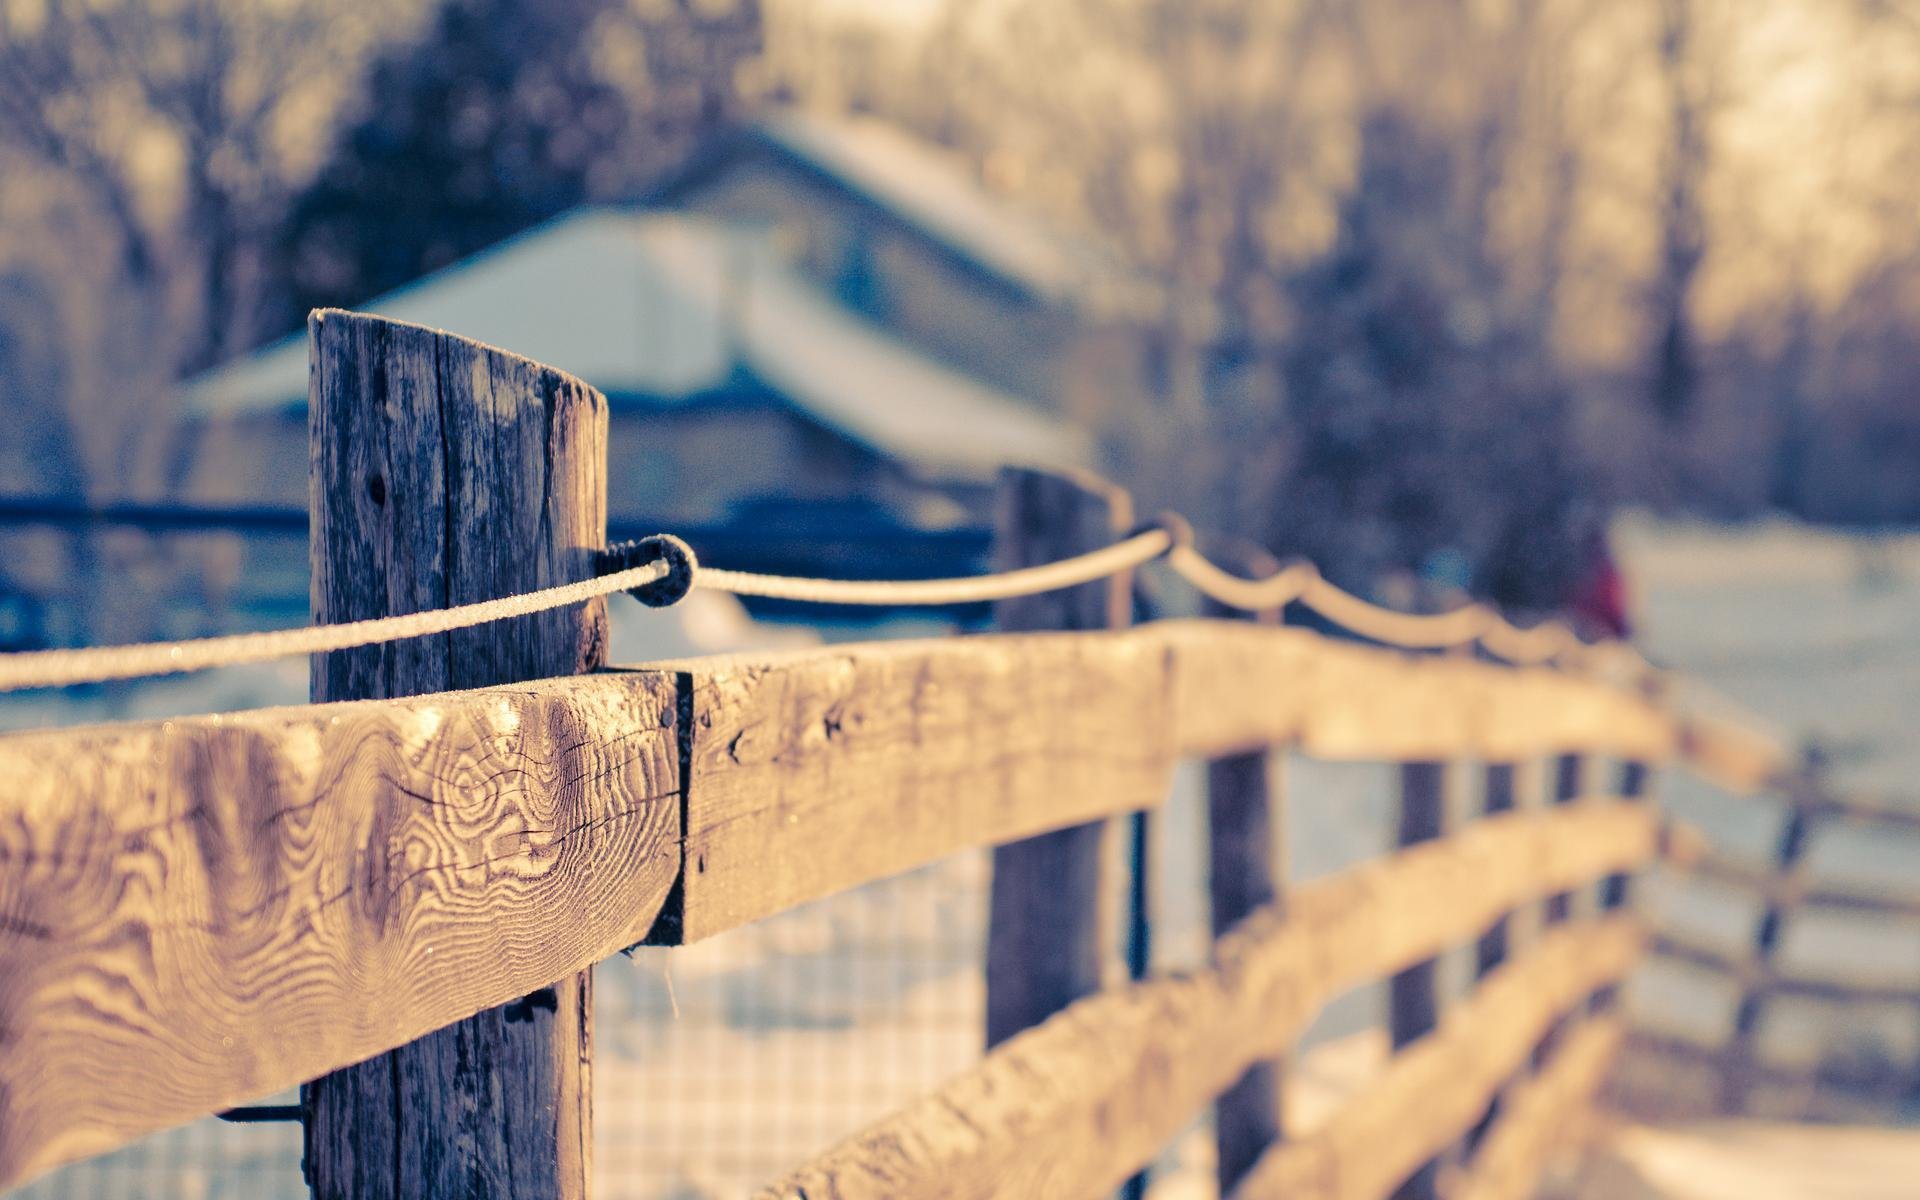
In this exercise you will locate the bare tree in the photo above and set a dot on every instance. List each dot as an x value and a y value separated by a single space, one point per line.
185 122
1683 231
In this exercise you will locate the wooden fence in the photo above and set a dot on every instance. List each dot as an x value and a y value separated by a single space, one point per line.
198 912
1738 1076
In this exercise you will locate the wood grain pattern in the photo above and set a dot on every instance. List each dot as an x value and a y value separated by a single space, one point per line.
1103 1085
199 912
1432 1093
442 472
123 849
798 758
1542 1116
816 771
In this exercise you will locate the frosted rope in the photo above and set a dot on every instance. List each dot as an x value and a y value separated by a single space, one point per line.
1303 582
1549 642
63 668
1276 591
1005 585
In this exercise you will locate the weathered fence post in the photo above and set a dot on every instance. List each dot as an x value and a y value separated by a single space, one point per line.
1803 789
1413 1000
445 472
1053 923
1246 870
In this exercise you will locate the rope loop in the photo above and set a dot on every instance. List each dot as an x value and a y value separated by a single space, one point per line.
1177 528
660 570
682 567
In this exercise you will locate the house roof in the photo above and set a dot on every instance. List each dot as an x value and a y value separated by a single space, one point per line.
671 308
930 191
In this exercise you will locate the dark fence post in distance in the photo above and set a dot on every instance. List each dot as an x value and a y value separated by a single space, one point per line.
1635 787
444 472
1413 1001
1246 870
1498 797
1803 789
1567 772
1616 891
1494 945
1569 778
1053 921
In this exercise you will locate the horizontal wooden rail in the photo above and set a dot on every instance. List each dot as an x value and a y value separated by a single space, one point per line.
1796 1077
1861 809
210 909
1756 976
799 762
1792 891
1104 1085
814 772
1541 1116
1433 1092
195 913
1728 755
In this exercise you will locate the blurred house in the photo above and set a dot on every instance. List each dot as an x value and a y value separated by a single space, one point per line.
813 310
897 230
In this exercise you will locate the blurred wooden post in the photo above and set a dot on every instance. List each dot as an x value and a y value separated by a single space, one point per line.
1616 891
1497 798
1246 870
445 472
1569 775
1635 782
1053 922
1743 1045
1413 1002
1568 770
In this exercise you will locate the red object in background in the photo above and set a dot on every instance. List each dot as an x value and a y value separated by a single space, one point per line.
1599 605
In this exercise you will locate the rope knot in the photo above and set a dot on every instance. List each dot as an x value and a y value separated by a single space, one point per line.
1179 532
681 563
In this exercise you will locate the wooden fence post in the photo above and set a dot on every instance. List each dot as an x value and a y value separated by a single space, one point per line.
1497 796
1413 1000
1569 778
1246 870
1053 924
1616 891
1568 772
444 472
1789 856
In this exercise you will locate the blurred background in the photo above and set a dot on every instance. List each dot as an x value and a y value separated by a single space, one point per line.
1595 308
